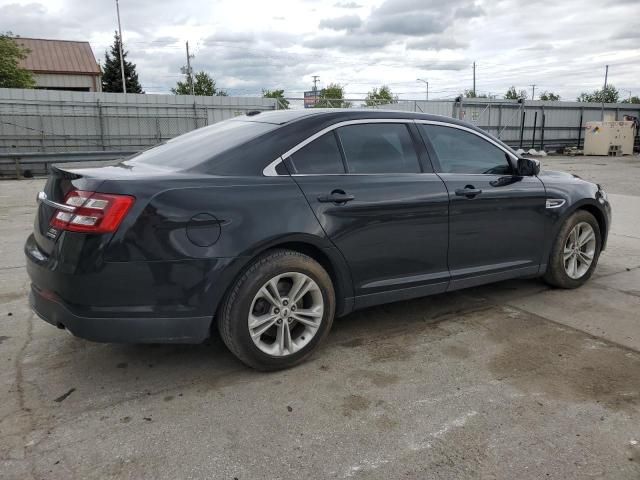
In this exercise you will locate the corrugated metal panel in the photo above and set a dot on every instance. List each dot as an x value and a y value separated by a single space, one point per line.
56 121
62 56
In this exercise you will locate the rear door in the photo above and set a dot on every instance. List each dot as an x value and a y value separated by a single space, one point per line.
497 218
380 204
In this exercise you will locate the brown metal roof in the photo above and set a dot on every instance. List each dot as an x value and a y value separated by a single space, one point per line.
58 56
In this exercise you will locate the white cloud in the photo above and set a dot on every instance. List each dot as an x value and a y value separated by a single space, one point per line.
250 45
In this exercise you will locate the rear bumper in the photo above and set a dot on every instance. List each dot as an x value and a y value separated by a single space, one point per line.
119 330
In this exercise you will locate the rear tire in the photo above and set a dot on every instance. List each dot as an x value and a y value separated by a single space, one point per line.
575 251
278 311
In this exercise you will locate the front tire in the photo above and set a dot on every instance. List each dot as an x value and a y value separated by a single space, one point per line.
278 311
575 251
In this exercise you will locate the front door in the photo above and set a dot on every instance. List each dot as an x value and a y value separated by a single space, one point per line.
383 208
496 218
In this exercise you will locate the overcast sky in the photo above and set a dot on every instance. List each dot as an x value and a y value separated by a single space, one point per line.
562 46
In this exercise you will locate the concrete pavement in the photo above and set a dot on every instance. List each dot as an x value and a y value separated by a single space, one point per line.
511 380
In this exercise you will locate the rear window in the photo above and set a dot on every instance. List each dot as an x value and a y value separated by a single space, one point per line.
200 145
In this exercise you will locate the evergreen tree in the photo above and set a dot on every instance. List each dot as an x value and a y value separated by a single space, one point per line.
111 74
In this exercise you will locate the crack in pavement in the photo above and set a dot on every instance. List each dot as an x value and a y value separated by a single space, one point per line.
18 365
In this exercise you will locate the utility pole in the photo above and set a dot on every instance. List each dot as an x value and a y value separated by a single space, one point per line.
606 74
427 84
474 79
533 91
189 73
316 78
124 82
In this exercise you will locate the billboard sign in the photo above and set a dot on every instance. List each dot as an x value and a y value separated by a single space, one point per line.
311 98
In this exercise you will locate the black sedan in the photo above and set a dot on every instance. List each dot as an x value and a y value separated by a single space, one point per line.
267 226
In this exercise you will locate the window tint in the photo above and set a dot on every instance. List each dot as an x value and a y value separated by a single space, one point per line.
379 148
202 145
463 152
321 156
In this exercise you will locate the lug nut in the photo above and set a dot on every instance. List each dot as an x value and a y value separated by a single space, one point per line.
276 310
285 303
289 319
293 308
279 321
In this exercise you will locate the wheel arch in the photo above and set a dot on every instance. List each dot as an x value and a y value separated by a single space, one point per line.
594 209
320 249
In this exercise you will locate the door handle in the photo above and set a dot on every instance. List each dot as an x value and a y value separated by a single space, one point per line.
469 191
337 196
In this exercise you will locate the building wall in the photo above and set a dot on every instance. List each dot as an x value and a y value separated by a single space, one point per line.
68 81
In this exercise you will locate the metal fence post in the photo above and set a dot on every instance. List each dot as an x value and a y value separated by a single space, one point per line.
533 137
100 124
43 135
524 114
499 119
195 115
580 127
544 117
158 132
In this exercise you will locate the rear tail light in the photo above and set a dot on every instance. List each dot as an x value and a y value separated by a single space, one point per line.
92 212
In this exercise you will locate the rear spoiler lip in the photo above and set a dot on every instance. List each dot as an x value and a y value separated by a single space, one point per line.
64 173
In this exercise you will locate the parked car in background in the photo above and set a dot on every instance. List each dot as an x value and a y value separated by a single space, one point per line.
267 226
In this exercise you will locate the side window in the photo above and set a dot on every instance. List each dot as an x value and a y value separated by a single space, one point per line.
379 148
322 156
463 152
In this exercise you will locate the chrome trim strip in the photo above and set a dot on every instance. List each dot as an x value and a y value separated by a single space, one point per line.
270 170
42 197
555 202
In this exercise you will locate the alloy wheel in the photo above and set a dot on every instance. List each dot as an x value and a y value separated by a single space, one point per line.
579 250
286 314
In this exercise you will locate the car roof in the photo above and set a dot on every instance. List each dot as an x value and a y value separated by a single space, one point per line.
281 117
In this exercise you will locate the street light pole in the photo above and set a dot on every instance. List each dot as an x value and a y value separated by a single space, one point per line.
427 84
124 82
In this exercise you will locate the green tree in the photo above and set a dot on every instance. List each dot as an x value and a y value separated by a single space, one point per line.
203 85
549 97
513 94
608 94
380 97
471 94
11 74
283 103
112 74
634 99
332 97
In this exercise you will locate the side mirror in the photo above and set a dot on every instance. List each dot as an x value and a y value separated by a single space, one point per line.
527 167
